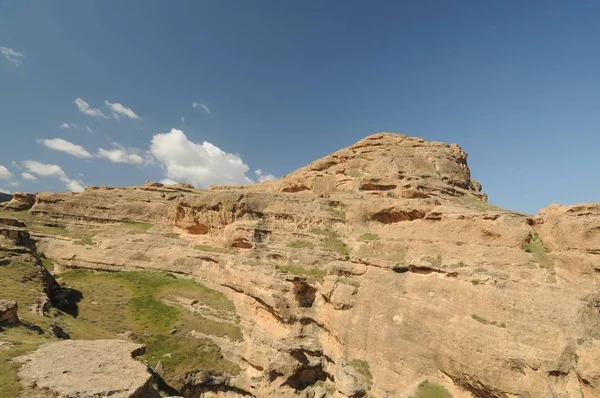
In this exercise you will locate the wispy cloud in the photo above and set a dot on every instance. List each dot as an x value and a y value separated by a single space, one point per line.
262 176
29 177
84 108
182 120
4 173
73 126
199 105
52 170
120 109
58 144
15 57
119 154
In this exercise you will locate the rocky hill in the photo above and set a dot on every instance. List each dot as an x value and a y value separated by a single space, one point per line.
380 270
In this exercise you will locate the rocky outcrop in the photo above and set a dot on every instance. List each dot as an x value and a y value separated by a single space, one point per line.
20 201
366 272
96 368
8 312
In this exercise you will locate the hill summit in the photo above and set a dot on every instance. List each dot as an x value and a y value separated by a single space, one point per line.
379 270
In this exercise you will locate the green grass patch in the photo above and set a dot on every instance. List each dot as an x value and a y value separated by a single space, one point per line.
181 355
337 213
298 244
535 246
48 263
213 249
369 237
23 215
135 301
312 273
137 226
81 236
428 389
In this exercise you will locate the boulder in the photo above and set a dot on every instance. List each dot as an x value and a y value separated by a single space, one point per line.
20 201
87 368
8 312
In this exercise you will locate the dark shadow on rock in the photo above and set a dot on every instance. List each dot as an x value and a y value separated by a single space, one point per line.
66 300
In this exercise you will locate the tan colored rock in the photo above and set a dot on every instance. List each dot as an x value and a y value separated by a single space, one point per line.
8 312
20 201
87 368
384 254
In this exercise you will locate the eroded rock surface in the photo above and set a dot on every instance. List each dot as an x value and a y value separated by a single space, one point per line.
88 368
368 271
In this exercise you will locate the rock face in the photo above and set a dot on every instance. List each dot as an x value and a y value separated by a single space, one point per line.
368 271
20 201
8 312
99 368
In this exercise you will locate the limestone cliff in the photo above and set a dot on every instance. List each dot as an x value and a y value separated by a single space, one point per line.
367 272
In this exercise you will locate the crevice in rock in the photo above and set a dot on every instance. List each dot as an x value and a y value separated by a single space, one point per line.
306 376
305 294
390 216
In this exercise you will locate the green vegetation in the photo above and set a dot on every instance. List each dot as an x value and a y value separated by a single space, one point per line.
311 273
298 244
48 263
143 303
80 235
137 226
535 246
427 389
328 386
23 215
182 355
481 319
332 241
22 342
337 213
213 249
477 204
362 367
369 236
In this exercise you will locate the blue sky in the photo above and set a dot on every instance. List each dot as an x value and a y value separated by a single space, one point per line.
278 84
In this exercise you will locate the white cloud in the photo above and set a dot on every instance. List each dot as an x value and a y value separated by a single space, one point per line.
4 173
58 144
198 164
262 176
121 109
4 191
14 184
52 170
198 104
29 177
71 125
13 56
84 108
120 154
182 120
74 186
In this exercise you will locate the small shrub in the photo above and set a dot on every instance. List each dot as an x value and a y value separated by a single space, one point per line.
427 389
310 272
298 244
137 226
369 237
213 249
